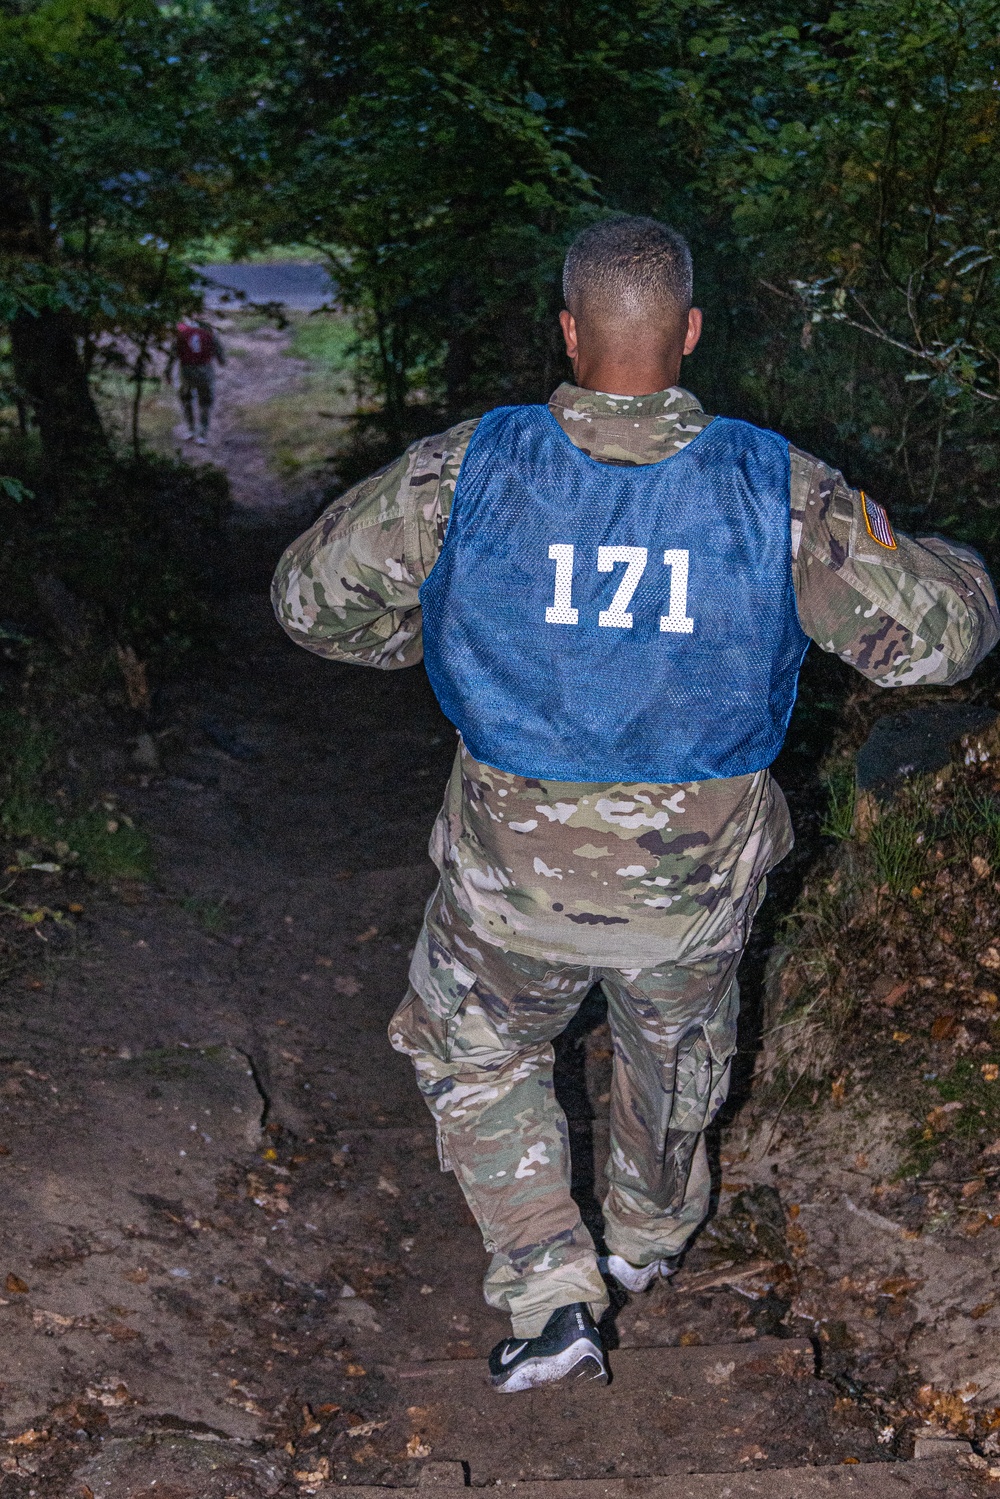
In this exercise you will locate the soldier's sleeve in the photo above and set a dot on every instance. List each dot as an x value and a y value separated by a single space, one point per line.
349 587
900 609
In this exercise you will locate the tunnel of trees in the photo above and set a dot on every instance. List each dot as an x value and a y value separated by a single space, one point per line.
835 170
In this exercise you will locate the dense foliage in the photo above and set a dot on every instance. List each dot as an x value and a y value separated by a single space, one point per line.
833 168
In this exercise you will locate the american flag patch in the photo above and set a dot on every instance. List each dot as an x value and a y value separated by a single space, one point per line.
877 522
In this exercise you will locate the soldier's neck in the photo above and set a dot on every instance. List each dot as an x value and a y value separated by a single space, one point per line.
620 375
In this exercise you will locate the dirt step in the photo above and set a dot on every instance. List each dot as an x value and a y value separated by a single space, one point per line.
719 1409
941 1479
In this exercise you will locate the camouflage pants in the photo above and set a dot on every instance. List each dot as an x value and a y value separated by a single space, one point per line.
479 1024
197 381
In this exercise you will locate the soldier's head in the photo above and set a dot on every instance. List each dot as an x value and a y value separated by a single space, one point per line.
628 320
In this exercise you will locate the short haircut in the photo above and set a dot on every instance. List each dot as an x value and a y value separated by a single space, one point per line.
627 267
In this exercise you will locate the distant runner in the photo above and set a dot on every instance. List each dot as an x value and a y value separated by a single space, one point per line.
196 346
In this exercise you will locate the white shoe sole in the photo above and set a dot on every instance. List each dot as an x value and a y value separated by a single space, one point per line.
636 1277
541 1371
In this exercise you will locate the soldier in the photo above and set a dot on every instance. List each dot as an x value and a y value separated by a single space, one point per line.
613 594
197 347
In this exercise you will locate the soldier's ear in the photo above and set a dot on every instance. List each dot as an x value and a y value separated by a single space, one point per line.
694 326
567 323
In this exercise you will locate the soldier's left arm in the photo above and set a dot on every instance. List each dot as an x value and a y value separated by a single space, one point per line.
349 587
900 609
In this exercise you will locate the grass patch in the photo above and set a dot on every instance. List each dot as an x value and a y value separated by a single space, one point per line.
213 916
99 840
903 909
897 839
841 788
328 340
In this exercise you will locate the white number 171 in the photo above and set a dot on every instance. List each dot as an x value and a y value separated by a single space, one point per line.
618 616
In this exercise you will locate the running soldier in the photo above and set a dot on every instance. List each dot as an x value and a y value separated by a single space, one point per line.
613 594
197 347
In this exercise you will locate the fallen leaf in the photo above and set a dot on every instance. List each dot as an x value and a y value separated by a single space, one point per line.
940 1118
15 1286
753 1454
319 1474
121 1332
943 1027
387 1186
327 1409
355 1371
137 1277
415 1447
366 1428
372 931
990 1071
990 958
901 1036
899 1285
111 1396
53 1321
980 866
837 1089
29 1438
992 1150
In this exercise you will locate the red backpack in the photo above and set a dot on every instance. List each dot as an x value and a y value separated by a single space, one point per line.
194 344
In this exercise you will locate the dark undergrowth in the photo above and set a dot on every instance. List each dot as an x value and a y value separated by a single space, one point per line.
107 579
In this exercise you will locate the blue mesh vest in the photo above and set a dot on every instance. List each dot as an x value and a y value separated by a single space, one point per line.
592 622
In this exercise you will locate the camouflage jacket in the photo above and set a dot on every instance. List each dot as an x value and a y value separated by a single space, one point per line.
624 876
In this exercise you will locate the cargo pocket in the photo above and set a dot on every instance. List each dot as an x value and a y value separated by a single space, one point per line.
704 1060
439 978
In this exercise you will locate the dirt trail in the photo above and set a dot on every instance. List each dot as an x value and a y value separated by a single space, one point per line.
258 367
234 1268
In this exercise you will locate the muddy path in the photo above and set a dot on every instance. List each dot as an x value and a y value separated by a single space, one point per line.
233 1267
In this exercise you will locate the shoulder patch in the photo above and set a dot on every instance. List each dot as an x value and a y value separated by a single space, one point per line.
877 523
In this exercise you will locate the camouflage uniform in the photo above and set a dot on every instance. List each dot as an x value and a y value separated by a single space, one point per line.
547 887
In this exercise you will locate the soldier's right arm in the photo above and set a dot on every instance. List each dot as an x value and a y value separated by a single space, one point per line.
349 587
902 610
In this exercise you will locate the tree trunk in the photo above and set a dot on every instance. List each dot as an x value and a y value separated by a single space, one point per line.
51 378
49 373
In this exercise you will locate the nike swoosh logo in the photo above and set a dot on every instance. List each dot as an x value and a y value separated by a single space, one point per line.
512 1353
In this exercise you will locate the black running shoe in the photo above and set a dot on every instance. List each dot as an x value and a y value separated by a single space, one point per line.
569 1343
